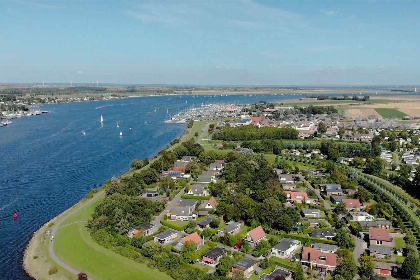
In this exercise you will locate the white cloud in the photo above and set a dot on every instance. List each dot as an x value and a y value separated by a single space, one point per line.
329 13
171 14
270 53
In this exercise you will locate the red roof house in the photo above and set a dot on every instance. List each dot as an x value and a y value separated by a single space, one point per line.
380 236
319 259
255 236
298 197
351 204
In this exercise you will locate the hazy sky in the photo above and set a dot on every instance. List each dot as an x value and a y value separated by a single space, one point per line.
211 42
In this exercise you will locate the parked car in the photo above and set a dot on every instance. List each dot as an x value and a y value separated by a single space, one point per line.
237 245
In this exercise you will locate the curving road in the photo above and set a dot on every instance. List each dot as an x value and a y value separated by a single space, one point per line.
57 226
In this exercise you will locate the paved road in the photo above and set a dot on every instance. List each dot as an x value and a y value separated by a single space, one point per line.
173 202
57 226
203 133
326 204
358 250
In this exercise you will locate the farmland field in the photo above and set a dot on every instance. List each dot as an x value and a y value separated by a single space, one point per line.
389 112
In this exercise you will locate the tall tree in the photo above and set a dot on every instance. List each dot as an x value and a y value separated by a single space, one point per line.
367 264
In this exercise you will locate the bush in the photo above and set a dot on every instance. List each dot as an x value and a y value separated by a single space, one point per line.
53 270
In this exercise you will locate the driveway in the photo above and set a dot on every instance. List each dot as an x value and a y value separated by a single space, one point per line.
326 204
172 203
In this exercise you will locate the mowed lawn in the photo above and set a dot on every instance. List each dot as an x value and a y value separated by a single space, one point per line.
74 245
389 112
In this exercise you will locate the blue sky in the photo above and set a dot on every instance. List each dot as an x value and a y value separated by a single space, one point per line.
232 42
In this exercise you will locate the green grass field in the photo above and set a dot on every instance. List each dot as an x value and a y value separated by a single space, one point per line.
75 246
399 243
388 112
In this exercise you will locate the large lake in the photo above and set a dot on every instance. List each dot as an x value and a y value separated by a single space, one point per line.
47 165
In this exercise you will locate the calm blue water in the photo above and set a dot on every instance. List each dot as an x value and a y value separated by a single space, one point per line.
47 165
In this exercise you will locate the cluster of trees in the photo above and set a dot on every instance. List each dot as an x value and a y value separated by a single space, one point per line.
335 150
118 212
270 212
251 132
317 110
345 97
265 145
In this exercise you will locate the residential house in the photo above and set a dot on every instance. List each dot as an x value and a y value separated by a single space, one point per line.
384 268
351 204
180 166
331 189
231 228
285 248
144 230
255 236
210 204
311 213
289 187
380 252
337 199
205 223
211 173
206 179
194 237
214 255
188 158
245 266
166 236
184 211
319 259
377 224
171 173
326 248
216 166
277 273
313 223
198 190
323 234
151 194
286 178
380 237
360 216
297 197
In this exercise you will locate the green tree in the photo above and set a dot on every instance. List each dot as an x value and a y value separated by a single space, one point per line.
347 269
322 127
366 266
299 274
343 239
411 266
189 252
363 194
224 266
375 166
138 241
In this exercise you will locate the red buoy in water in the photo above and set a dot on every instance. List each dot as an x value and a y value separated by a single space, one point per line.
15 216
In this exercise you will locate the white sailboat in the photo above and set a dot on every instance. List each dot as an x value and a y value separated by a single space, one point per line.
118 125
121 134
102 119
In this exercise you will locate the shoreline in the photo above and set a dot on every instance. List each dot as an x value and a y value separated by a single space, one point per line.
36 243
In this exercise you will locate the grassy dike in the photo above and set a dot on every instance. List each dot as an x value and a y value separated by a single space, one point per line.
74 246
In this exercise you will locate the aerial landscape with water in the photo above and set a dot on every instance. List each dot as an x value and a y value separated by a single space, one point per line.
220 140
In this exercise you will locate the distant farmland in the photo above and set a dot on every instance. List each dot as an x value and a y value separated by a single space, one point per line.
388 112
